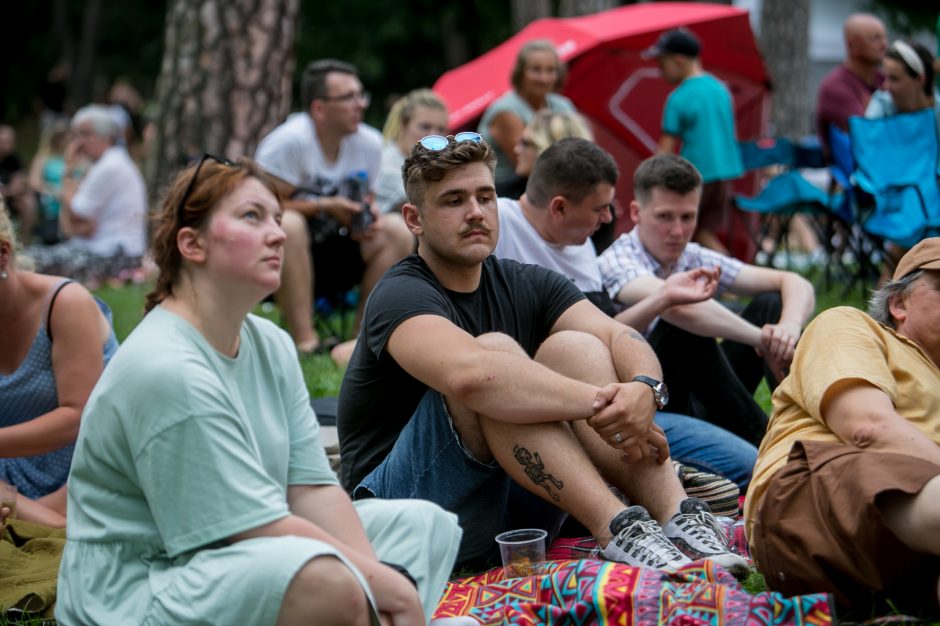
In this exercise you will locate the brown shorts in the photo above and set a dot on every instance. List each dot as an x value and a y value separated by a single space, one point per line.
713 207
819 528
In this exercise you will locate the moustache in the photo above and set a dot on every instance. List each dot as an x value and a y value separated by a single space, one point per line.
472 229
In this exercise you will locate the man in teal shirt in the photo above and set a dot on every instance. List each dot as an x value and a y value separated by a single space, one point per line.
699 113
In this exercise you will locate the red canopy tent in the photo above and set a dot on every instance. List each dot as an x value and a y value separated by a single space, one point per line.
619 92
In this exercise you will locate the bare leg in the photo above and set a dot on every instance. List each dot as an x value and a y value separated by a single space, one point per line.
545 458
915 520
654 486
342 353
390 245
295 297
324 591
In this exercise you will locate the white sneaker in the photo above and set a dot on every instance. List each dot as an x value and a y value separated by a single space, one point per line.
639 541
696 532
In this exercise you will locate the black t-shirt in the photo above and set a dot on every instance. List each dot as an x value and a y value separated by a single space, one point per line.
378 397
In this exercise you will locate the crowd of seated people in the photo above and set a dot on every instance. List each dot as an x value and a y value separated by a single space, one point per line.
506 374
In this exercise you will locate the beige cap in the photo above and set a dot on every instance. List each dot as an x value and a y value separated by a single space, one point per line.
924 256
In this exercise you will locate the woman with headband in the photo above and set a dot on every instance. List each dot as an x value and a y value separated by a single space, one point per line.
909 81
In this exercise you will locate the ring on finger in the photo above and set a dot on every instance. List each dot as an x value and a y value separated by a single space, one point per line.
618 438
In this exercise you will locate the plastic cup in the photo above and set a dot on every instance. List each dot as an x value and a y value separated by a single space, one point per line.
521 550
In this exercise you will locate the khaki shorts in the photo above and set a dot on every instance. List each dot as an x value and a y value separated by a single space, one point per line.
819 528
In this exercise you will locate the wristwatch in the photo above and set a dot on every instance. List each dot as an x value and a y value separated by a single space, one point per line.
660 391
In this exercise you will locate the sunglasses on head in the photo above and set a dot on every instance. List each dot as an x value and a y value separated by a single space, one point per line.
192 181
439 142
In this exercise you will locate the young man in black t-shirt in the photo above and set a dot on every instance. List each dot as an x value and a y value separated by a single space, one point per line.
474 376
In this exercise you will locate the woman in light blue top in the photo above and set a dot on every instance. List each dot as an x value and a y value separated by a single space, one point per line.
55 339
200 492
537 75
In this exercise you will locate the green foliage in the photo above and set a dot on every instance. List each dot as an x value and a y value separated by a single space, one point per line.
397 46
130 44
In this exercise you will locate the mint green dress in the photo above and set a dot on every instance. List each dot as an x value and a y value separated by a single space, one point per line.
181 447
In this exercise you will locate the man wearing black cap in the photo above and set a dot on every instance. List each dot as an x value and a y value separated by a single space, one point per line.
845 496
699 113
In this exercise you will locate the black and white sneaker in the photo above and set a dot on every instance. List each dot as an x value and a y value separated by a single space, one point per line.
696 532
639 541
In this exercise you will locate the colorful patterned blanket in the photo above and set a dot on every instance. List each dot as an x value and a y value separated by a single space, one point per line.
587 592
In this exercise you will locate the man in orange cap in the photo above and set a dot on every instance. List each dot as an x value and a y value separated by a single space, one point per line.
846 491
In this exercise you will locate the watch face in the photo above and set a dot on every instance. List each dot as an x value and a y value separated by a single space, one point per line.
663 394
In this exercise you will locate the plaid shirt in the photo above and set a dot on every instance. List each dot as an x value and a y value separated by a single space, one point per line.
627 259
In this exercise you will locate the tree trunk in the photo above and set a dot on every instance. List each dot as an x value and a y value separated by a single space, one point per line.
525 11
83 74
225 80
570 8
785 46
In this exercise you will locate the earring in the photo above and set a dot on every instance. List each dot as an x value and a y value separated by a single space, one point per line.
3 275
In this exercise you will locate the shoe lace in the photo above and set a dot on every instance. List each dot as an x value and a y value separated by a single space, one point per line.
705 528
646 541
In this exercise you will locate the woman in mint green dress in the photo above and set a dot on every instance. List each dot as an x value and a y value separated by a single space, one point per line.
199 490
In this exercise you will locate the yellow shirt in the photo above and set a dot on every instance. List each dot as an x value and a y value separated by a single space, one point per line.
840 344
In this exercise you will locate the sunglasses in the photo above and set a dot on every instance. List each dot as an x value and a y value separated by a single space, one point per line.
192 181
439 142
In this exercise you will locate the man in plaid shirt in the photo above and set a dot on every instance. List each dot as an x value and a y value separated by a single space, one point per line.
712 381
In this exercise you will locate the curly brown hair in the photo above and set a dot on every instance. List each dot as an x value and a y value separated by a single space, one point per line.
424 166
215 181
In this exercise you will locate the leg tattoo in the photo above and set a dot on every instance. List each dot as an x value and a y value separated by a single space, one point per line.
535 470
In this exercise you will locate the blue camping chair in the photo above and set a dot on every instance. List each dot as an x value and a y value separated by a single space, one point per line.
896 166
787 193
848 240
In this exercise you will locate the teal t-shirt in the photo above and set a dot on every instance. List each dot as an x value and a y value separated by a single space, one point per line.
181 447
700 113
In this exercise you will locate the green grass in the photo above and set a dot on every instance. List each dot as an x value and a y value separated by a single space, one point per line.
321 374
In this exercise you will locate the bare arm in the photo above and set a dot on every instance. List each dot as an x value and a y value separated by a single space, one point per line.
681 288
667 144
799 300
626 408
502 385
79 331
506 130
706 319
863 415
70 223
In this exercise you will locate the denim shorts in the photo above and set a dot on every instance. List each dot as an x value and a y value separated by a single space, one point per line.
430 462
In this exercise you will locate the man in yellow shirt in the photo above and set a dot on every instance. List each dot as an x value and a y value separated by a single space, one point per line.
846 491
